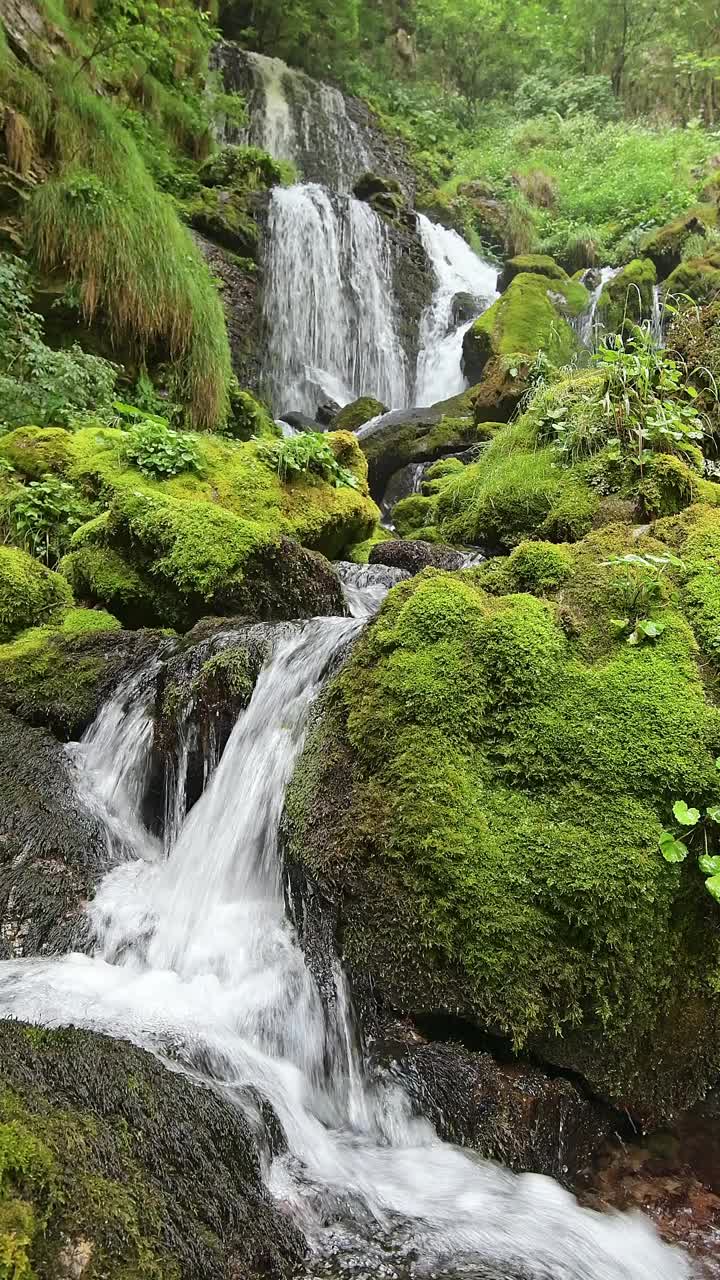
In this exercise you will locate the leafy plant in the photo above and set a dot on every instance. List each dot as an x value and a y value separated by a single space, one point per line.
640 593
693 827
159 451
41 516
305 453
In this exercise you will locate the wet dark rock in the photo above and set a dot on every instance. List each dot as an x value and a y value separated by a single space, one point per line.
240 288
413 281
415 435
327 413
508 1111
299 421
200 694
52 850
465 307
383 194
414 555
150 1173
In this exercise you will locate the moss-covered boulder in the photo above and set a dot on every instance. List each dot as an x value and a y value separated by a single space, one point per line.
529 317
383 194
540 264
114 1166
29 592
357 413
664 245
413 555
59 674
33 451
629 295
159 561
698 279
482 799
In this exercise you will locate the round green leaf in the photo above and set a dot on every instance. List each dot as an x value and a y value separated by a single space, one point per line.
710 866
685 816
672 850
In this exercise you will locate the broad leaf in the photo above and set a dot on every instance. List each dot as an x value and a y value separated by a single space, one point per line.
713 813
710 866
713 887
672 850
685 816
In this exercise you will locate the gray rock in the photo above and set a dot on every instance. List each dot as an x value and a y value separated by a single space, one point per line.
415 555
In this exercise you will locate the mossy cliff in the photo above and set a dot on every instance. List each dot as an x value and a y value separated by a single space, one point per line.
113 1167
483 795
530 316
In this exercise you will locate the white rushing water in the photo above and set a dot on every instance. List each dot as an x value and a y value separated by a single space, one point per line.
458 270
295 118
329 302
196 960
587 325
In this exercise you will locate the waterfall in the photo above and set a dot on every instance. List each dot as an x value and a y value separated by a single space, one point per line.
197 962
656 317
457 271
586 325
329 304
294 118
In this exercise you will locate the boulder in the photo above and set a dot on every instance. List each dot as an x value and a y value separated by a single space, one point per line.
697 279
53 850
299 421
383 194
664 245
117 1166
327 413
415 555
29 592
529 317
481 800
533 263
357 413
464 308
418 435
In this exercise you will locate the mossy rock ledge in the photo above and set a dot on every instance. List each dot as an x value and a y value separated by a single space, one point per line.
116 1167
481 797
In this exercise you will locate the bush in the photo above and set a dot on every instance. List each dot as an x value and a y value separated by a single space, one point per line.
540 94
159 451
310 452
42 516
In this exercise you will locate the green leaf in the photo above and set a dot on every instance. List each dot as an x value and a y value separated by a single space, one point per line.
713 887
671 849
685 816
710 866
713 813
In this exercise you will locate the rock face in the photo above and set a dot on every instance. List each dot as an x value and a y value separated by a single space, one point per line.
415 555
52 851
417 435
241 298
664 245
530 316
629 295
117 1166
510 1112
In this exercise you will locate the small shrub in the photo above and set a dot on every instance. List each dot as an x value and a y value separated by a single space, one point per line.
307 453
42 516
158 451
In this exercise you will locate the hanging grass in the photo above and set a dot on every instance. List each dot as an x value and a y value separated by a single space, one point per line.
102 223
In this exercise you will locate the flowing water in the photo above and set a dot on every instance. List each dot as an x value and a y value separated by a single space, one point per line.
196 961
458 271
587 325
296 119
329 302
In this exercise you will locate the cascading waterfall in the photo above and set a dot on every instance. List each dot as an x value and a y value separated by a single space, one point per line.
329 307
457 271
196 959
296 119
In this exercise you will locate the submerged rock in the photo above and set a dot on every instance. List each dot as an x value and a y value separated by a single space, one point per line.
116 1166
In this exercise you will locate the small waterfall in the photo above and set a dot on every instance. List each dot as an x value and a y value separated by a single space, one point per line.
403 484
656 318
457 271
197 961
303 121
586 325
329 305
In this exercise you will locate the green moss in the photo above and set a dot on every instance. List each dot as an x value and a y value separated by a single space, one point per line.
444 467
665 244
539 566
99 574
33 451
629 295
358 413
51 673
698 279
668 486
411 514
360 553
540 264
513 771
223 217
528 318
29 593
